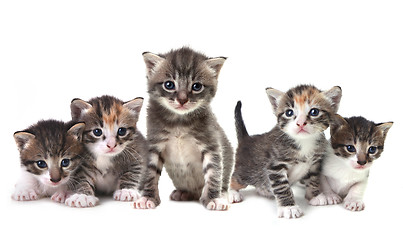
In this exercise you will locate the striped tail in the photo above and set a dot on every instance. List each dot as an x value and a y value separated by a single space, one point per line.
241 131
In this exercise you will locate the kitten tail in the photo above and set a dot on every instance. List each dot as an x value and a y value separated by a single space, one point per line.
241 131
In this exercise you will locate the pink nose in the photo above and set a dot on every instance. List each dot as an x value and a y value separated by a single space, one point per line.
111 144
301 124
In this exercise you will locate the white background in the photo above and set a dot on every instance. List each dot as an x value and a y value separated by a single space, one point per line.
54 51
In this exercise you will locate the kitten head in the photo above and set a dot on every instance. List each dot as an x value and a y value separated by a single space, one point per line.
358 140
304 111
182 80
51 150
110 123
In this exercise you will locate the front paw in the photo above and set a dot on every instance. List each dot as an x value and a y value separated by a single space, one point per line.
325 199
218 204
25 195
81 200
235 196
126 194
59 197
146 203
289 212
354 205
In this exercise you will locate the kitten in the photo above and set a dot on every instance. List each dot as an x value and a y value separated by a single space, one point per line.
50 153
293 150
355 144
116 147
183 132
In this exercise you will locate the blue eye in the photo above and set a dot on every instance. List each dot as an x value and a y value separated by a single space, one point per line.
65 162
350 148
97 132
169 85
197 87
122 131
372 150
289 113
314 112
41 164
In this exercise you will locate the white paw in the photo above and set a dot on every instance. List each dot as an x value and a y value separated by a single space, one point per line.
24 195
126 194
333 198
219 204
354 205
144 203
319 200
81 200
289 212
59 197
235 196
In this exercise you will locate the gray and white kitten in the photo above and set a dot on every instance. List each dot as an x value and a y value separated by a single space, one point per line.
292 151
355 144
183 132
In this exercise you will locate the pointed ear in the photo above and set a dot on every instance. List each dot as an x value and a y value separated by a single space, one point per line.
152 62
334 94
384 127
77 130
336 123
274 97
134 105
215 64
78 108
22 139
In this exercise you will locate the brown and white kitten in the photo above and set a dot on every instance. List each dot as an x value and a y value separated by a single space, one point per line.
292 151
117 150
355 144
50 152
183 132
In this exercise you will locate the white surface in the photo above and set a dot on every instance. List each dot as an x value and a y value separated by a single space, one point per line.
52 52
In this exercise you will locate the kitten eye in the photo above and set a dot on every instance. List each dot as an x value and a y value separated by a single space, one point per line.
169 85
97 132
314 112
372 150
65 162
41 164
350 148
122 131
197 87
289 113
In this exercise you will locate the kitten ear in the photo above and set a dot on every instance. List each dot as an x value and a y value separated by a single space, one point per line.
334 94
152 62
384 127
77 130
215 64
274 97
336 123
22 139
78 108
134 105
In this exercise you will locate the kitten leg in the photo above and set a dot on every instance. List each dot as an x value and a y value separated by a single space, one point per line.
59 196
26 188
81 200
129 185
180 195
353 200
327 196
312 180
83 191
126 194
235 196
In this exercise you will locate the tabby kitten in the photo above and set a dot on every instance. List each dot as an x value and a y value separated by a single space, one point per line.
116 147
183 132
355 144
50 153
293 150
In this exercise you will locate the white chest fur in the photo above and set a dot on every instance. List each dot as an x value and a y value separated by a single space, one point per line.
307 150
105 181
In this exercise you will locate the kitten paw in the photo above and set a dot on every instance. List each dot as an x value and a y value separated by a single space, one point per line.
219 204
235 196
333 198
289 212
59 197
354 205
25 195
126 194
179 195
144 203
319 200
81 200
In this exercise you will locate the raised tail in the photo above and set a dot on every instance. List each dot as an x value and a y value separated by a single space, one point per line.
241 131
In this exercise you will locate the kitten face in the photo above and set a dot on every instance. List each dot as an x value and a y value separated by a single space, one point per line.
50 150
182 80
358 140
110 123
304 111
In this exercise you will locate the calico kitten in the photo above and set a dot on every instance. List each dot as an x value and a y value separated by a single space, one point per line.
355 144
117 150
183 132
293 150
50 151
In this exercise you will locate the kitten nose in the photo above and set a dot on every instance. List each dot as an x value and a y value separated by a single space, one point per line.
301 124
301 121
55 180
182 97
362 163
111 144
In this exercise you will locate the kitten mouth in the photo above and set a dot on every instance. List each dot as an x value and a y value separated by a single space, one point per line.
302 131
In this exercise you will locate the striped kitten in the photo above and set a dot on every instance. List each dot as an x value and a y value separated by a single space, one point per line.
50 151
117 150
183 132
293 150
355 144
